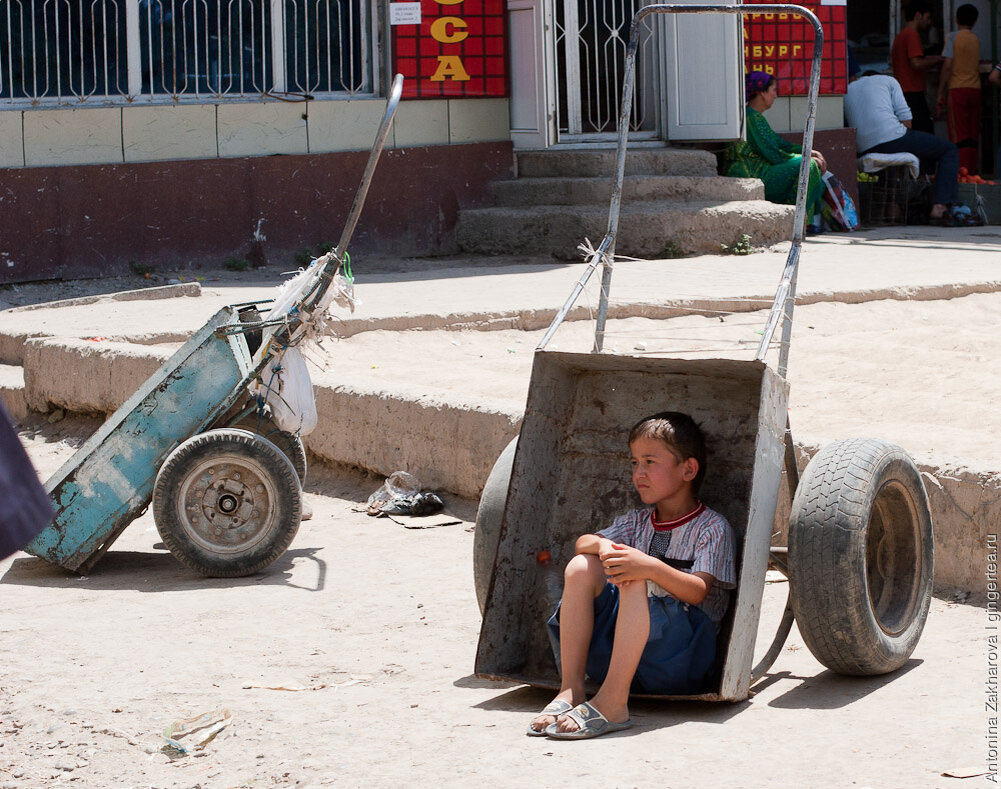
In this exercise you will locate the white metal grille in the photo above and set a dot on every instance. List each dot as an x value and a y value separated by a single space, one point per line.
591 41
68 52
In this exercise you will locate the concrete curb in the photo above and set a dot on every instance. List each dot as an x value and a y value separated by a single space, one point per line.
141 294
449 445
450 442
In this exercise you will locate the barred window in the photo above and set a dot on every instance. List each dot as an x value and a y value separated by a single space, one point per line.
69 52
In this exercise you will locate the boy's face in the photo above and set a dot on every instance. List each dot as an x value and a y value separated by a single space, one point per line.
659 474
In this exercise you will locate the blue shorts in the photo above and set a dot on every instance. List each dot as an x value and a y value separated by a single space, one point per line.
680 650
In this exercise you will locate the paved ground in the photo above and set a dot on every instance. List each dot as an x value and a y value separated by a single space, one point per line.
371 628
888 341
350 663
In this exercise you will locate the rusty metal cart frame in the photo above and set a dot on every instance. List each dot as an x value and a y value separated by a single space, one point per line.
224 482
559 474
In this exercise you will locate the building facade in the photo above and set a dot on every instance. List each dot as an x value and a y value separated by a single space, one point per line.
166 132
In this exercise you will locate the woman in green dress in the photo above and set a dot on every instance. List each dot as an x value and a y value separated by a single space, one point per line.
769 157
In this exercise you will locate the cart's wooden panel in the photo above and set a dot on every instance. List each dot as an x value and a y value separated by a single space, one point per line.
571 475
109 480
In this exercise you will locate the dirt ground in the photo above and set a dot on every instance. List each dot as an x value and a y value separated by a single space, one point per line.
913 372
349 662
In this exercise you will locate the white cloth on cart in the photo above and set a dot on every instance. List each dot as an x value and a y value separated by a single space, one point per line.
289 391
874 162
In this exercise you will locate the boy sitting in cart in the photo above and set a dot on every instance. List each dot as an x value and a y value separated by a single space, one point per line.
643 599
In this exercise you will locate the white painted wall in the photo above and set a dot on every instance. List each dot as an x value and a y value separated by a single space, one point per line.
115 135
788 113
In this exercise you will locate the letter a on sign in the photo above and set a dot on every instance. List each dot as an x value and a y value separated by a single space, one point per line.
450 67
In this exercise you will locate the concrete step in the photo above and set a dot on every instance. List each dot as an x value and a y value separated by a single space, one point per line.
580 191
647 229
600 163
12 391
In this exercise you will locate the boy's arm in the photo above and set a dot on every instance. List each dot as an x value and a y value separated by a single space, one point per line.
687 587
916 55
592 543
900 107
624 564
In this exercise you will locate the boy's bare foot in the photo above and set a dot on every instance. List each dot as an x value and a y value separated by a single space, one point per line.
564 702
614 713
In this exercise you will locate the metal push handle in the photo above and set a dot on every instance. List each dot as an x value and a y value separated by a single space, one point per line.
292 324
782 306
380 139
335 258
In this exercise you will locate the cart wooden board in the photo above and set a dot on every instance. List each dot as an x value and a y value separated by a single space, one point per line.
109 480
571 475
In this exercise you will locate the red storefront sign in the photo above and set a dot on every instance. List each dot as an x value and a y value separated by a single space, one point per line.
456 49
782 44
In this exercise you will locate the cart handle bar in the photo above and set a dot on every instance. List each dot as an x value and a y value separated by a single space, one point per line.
785 296
335 259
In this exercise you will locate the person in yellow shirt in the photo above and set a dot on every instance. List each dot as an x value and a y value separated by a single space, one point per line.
959 87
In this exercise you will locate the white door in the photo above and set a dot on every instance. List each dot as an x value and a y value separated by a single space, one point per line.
703 72
533 110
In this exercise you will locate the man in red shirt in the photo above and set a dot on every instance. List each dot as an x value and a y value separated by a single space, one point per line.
910 63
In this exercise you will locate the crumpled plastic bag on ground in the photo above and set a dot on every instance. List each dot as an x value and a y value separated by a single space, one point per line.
401 494
201 729
397 484
426 503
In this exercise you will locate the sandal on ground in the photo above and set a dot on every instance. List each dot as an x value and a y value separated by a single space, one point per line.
957 216
948 219
556 707
591 723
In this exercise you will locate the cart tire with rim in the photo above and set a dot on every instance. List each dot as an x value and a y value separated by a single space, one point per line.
861 556
289 443
489 514
227 503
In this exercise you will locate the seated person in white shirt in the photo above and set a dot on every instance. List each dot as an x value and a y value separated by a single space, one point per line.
875 106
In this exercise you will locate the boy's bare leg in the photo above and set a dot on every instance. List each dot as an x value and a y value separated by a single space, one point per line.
632 627
583 581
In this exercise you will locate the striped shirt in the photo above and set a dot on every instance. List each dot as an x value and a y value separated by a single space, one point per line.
700 543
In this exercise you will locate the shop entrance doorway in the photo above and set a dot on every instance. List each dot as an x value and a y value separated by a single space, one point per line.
567 69
590 43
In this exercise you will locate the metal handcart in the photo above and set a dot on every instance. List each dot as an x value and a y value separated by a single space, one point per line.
223 480
859 557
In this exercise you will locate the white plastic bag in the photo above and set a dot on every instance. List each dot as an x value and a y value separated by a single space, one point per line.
398 484
289 391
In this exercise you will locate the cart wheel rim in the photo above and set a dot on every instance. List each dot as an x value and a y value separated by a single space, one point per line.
893 559
226 504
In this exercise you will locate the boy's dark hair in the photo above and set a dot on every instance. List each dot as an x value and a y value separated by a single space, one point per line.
967 15
681 435
914 8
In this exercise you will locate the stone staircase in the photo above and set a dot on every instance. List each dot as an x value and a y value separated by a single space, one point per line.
673 203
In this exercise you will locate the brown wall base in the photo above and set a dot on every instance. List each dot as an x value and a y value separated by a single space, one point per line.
87 221
838 147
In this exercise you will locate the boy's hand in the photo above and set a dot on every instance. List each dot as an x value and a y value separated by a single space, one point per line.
624 564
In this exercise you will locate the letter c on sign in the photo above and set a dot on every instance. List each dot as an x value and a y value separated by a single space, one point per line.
443 30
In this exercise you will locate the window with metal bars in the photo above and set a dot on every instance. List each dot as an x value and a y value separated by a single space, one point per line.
93 52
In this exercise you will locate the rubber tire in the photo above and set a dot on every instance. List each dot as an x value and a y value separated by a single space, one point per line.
861 556
489 514
288 443
235 457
